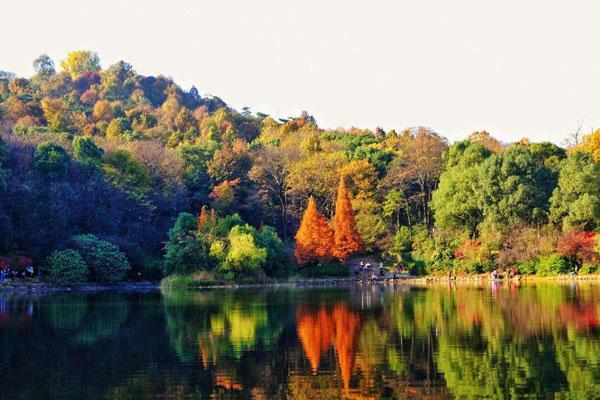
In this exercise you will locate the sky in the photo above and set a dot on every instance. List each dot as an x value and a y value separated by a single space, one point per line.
516 68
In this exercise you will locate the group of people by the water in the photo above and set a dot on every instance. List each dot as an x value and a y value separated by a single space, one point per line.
381 272
8 272
511 273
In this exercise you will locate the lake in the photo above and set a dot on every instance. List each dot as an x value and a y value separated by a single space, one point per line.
498 340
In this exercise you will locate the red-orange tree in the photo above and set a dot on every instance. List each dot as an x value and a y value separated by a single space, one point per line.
347 240
202 218
314 239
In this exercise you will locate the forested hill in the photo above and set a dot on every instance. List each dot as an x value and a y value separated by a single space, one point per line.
109 152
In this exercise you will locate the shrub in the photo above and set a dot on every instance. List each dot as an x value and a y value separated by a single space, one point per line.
527 267
553 264
105 261
589 268
578 245
66 268
185 282
468 257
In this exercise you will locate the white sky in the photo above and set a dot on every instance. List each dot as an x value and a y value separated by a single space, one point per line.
513 67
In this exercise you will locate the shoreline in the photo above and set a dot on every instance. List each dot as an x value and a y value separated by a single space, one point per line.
39 288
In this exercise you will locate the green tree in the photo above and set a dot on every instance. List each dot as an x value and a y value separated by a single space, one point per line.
186 251
118 81
401 246
268 239
243 255
124 171
86 151
104 259
50 159
575 203
514 188
394 202
455 201
66 268
44 66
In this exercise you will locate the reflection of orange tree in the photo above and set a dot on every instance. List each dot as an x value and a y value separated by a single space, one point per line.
317 330
316 334
347 329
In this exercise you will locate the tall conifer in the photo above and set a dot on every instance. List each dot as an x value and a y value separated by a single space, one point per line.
314 239
347 240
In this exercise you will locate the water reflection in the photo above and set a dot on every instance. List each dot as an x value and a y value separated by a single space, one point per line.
491 341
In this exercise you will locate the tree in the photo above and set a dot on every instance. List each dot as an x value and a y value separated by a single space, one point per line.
104 259
44 66
591 145
488 141
124 171
347 240
66 268
185 250
243 254
578 246
314 239
401 246
230 162
270 171
418 167
202 219
79 62
455 201
514 188
56 113
118 81
87 152
394 202
575 203
50 159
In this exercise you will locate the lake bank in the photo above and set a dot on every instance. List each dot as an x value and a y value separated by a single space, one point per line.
31 286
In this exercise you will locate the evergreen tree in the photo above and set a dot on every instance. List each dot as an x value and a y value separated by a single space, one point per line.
347 240
202 219
314 238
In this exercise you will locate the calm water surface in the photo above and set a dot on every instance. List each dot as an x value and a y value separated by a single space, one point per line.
501 341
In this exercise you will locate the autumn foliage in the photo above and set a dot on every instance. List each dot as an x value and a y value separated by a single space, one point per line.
314 239
347 240
202 218
579 245
339 327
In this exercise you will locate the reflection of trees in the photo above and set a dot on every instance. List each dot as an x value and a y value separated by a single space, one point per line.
499 369
86 319
223 332
510 344
315 330
463 342
319 328
579 359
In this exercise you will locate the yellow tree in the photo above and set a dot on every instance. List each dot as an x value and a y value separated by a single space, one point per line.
347 240
314 239
591 145
79 62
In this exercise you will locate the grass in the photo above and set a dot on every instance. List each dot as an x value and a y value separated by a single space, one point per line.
198 280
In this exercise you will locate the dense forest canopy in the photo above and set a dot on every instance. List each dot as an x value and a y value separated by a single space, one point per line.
110 153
